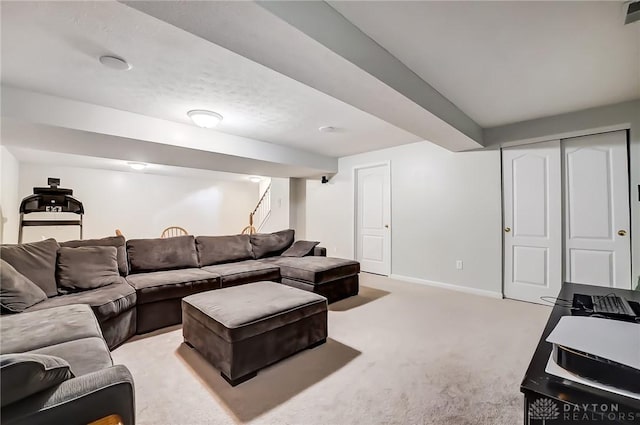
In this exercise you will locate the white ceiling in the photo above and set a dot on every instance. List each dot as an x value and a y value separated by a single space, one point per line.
503 62
312 43
53 47
498 62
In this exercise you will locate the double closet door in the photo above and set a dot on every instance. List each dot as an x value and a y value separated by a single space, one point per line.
566 215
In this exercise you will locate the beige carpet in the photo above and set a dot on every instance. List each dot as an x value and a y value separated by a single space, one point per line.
399 353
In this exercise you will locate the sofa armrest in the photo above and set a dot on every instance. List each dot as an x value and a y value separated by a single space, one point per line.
319 251
78 400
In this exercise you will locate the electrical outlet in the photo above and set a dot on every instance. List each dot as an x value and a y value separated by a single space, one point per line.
459 264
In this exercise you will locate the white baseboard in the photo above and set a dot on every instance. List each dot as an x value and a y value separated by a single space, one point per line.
475 291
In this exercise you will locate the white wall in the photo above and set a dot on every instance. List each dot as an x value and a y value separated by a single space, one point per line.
298 207
142 204
445 207
279 218
9 199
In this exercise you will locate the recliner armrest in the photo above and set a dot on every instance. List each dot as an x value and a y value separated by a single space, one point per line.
79 400
319 251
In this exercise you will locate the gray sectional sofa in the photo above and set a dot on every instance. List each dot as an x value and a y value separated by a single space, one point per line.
161 278
150 277
92 388
131 286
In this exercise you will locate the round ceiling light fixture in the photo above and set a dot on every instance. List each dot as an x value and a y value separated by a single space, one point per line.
327 129
115 62
255 179
205 119
137 165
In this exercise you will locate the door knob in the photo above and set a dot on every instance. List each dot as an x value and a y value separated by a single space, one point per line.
386 226
622 232
507 229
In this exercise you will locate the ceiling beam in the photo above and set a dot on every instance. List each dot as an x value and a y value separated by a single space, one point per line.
315 45
45 110
46 138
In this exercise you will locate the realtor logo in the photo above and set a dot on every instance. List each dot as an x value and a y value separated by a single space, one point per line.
543 409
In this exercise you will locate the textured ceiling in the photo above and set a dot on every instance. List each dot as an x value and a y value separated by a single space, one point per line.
503 62
52 47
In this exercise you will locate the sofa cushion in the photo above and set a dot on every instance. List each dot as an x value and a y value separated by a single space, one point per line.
24 374
149 255
87 267
223 249
106 302
300 249
239 313
47 327
316 270
164 285
271 244
84 355
242 272
36 261
117 241
16 291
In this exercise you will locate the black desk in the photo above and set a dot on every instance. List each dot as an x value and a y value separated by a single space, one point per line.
584 404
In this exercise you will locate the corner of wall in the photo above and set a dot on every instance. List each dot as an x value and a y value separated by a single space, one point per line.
9 200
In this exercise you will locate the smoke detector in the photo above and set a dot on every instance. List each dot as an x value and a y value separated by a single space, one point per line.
115 62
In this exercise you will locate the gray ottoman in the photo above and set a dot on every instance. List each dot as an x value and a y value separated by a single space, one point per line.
333 278
242 329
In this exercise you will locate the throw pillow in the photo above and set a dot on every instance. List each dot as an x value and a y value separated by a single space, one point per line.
24 374
271 244
36 261
87 267
117 241
300 249
17 293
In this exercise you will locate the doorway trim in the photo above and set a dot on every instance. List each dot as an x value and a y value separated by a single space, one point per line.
354 176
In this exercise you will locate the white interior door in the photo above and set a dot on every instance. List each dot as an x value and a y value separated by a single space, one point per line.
533 221
597 240
373 215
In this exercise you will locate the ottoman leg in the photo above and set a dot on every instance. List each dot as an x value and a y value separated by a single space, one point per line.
240 380
317 344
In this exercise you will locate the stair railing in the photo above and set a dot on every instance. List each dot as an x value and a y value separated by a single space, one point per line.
260 213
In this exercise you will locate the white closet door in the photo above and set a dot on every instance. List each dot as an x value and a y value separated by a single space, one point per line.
597 240
533 221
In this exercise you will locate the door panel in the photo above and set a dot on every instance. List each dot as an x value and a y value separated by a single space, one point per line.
533 221
530 265
596 209
529 195
588 189
373 214
591 266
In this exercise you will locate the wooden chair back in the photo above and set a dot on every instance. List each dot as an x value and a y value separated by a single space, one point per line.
173 231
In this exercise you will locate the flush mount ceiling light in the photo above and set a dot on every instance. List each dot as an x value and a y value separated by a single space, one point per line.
204 119
137 165
115 62
327 129
255 179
